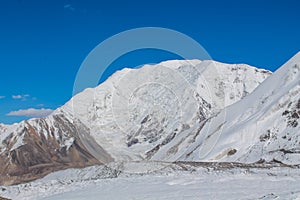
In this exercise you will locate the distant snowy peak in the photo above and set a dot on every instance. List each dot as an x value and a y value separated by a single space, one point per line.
228 83
137 111
217 83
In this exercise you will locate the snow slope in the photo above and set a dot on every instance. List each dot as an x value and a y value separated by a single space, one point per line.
262 126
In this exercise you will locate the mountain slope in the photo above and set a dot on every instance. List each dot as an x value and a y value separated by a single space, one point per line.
135 113
36 147
262 126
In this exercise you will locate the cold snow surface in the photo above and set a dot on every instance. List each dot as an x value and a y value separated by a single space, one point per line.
173 182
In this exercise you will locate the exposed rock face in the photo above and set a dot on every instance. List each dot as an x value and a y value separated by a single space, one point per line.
2 198
37 147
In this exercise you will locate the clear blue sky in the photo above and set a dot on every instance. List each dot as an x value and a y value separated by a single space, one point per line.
43 43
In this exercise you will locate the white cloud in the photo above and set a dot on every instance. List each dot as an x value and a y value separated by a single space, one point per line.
2 97
17 96
69 7
31 112
22 97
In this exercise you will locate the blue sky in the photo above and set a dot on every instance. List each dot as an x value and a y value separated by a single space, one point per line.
43 43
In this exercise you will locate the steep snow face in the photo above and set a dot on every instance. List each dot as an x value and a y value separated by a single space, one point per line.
262 126
137 113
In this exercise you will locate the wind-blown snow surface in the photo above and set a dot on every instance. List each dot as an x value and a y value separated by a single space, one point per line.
172 181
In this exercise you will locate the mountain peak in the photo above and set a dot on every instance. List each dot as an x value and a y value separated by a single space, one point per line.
154 112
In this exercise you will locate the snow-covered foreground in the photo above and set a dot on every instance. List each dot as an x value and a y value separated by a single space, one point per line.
188 186
170 182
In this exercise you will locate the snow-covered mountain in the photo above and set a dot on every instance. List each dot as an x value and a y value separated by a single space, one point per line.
264 125
156 111
34 148
176 110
